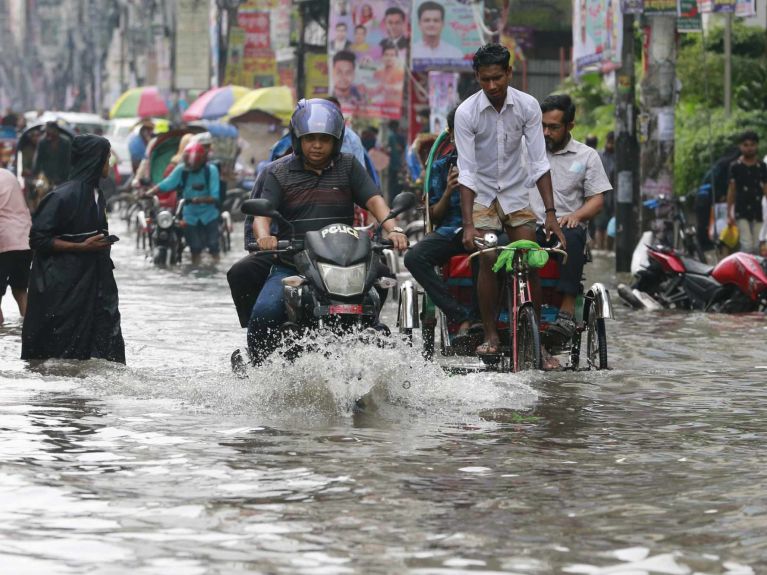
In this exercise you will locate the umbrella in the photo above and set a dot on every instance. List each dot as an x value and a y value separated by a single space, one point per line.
141 102
277 101
214 103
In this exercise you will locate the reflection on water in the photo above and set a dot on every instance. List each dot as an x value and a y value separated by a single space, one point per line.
173 465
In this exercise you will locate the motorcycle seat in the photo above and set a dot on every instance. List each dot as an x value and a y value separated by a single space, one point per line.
695 267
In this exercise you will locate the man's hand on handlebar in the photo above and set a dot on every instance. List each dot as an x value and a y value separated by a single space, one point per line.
267 243
398 240
469 235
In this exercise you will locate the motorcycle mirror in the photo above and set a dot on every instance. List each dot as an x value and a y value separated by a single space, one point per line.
258 207
401 203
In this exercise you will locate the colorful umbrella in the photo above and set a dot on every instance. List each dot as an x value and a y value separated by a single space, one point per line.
139 102
277 101
214 103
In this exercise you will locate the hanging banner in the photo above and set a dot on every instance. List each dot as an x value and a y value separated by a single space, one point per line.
720 6
689 19
597 36
445 35
367 53
316 67
745 8
443 97
660 7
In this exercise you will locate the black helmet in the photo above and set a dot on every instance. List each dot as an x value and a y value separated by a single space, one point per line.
316 116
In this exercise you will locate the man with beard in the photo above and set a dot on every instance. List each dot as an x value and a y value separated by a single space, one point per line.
580 183
73 306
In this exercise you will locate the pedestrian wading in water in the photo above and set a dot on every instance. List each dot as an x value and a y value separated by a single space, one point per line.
73 306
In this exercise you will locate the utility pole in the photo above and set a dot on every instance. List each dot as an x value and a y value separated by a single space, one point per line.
728 63
626 193
656 122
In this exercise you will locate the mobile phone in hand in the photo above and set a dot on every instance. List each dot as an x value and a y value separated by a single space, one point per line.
112 239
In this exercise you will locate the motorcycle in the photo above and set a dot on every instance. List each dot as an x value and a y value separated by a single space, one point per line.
669 280
167 235
337 275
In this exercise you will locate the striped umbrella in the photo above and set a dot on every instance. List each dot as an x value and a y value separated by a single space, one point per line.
139 102
214 103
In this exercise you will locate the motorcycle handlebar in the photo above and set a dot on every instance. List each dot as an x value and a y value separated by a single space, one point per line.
282 246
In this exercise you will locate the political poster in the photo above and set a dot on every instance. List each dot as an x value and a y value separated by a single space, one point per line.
445 35
443 97
597 35
367 52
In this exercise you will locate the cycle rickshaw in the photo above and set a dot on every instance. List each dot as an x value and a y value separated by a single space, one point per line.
522 333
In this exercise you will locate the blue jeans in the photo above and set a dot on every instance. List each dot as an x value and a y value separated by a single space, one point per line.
200 236
268 314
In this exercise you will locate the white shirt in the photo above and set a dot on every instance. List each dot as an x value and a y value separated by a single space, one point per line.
490 148
577 173
443 51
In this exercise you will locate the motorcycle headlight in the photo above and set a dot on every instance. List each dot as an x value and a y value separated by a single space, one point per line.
164 219
344 282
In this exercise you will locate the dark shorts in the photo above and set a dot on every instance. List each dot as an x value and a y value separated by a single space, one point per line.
14 269
570 273
201 236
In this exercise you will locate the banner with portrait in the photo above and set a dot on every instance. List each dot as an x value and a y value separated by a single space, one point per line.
443 97
445 34
597 36
367 51
660 7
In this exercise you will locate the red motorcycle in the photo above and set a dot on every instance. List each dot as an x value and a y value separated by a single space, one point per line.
737 284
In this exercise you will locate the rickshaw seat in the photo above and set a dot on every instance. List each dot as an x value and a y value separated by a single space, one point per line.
458 271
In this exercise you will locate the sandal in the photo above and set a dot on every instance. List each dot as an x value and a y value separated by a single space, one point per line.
487 348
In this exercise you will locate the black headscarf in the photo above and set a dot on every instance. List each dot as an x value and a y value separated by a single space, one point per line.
89 154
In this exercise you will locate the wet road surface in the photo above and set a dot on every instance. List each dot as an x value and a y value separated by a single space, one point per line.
173 465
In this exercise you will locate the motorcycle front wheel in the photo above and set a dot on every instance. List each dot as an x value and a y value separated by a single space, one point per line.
596 340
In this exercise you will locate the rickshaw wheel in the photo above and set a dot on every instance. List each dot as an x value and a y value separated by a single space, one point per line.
528 339
596 340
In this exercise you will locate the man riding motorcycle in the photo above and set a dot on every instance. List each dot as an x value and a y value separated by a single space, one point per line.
319 185
198 182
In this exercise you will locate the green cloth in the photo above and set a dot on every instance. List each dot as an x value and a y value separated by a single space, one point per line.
536 257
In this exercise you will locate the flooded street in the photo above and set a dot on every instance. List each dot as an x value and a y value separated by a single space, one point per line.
173 465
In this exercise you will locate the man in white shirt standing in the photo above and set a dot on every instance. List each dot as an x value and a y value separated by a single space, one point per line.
580 183
489 130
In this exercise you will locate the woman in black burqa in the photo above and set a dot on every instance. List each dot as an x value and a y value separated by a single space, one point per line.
72 311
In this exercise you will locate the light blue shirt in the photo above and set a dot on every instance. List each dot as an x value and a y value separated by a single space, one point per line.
195 213
353 145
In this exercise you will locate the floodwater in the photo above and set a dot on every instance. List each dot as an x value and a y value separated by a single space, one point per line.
172 465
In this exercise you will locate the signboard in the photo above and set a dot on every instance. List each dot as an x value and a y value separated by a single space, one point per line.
660 7
316 68
597 36
632 6
722 6
745 8
193 46
689 17
445 35
367 52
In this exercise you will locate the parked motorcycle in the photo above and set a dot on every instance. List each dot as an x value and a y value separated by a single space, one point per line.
337 274
670 280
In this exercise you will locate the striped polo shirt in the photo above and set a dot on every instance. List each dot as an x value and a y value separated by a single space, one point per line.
311 201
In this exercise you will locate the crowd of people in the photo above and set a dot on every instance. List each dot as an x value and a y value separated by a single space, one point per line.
509 166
